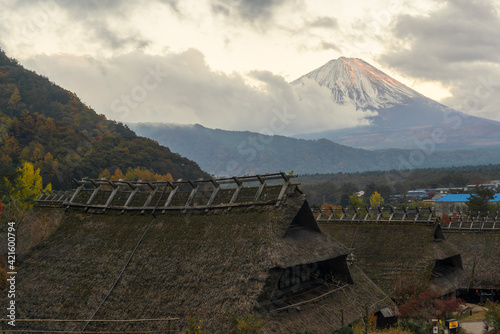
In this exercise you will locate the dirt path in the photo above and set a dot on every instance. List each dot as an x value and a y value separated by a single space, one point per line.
476 327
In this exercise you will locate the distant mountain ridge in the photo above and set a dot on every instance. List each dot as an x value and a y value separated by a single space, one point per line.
221 152
405 117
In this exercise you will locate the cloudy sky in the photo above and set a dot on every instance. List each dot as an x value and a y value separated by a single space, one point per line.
227 63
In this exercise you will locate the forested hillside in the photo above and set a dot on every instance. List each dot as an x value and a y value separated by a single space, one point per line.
330 188
50 127
222 152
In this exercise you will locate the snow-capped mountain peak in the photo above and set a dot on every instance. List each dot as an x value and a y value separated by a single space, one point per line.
352 80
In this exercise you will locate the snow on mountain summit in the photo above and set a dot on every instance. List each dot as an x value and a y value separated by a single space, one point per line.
352 80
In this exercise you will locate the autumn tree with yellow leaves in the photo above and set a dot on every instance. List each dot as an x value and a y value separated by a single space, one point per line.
24 190
376 200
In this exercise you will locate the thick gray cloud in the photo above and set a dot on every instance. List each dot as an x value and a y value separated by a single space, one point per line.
248 10
324 22
457 45
111 39
462 31
330 46
181 88
79 10
93 17
88 8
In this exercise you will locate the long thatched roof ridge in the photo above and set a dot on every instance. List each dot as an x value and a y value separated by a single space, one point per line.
388 252
213 264
201 194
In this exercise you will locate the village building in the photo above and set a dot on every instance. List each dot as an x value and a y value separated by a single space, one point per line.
417 195
209 250
397 246
459 256
456 204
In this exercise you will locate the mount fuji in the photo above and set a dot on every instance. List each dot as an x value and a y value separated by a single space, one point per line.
405 118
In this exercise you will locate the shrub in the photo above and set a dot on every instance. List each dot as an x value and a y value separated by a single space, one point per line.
413 326
493 316
344 330
249 324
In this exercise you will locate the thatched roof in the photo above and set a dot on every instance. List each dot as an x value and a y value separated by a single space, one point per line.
214 264
388 252
481 258
325 315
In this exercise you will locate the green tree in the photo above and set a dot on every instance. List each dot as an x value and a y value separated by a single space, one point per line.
478 201
344 200
8 172
383 189
14 100
494 206
355 201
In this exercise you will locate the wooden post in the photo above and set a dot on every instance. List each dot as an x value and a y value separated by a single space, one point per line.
191 196
261 188
332 215
282 193
236 191
170 198
366 318
392 213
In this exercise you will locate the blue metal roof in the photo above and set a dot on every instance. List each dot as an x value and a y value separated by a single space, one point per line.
463 198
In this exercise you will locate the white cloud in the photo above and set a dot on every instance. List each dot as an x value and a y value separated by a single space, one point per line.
287 38
182 88
457 45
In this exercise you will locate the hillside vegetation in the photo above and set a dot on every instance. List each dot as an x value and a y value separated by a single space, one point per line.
222 152
50 127
330 188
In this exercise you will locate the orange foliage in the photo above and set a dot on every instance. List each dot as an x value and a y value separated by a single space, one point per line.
136 174
329 206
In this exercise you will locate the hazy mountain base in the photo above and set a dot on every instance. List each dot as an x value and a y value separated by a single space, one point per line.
412 126
222 152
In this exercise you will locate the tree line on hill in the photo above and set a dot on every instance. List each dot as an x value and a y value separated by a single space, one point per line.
336 188
62 138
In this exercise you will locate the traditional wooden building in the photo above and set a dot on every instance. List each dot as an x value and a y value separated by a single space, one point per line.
210 250
460 254
480 251
403 245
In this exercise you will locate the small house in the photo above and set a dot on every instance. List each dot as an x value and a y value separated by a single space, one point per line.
455 203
